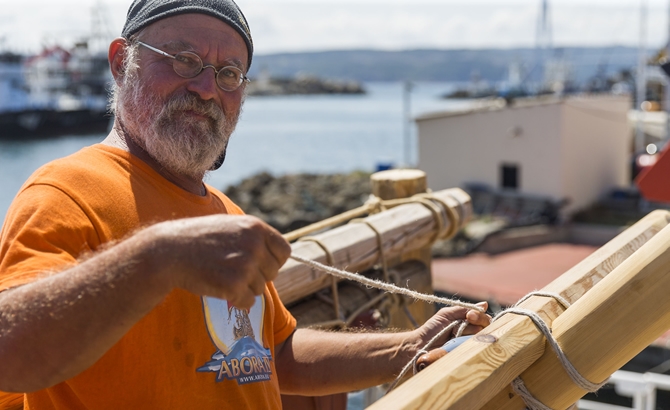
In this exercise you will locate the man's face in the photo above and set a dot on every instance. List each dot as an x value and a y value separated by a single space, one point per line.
183 124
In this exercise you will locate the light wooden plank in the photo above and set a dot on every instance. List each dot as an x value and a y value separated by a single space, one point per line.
617 319
469 379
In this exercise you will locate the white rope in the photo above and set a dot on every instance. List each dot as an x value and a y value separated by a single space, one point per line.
388 287
518 385
532 403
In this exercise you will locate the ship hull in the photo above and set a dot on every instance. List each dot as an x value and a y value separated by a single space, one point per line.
35 124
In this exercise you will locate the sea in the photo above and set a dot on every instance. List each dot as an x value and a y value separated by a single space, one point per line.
282 135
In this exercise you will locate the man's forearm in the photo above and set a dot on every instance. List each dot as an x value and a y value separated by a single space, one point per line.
56 327
318 363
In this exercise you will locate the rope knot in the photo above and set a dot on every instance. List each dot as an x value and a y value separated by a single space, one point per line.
374 204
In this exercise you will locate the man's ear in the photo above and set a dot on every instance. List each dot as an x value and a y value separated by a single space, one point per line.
117 57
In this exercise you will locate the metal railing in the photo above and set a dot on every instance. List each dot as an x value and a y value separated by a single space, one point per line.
641 387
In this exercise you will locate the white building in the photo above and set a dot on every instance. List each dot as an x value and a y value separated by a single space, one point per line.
574 148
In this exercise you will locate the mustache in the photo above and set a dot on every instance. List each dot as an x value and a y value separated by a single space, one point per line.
190 102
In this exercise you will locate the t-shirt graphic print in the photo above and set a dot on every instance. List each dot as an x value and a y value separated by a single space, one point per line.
237 333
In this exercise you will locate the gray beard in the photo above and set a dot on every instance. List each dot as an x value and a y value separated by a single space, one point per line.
181 143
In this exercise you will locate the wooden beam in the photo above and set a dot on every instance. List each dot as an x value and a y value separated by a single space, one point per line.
601 332
354 246
480 369
398 183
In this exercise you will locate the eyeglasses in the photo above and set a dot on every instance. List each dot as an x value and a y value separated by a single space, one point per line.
188 65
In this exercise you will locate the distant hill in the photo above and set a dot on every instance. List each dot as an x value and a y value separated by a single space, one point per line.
439 65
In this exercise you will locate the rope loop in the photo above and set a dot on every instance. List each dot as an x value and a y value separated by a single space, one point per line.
453 217
333 285
518 384
519 387
380 246
374 204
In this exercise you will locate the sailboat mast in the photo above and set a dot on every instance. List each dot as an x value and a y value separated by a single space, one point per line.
543 40
641 83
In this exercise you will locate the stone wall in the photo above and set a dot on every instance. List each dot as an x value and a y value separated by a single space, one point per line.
292 201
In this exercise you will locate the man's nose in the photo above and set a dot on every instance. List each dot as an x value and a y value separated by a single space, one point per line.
204 84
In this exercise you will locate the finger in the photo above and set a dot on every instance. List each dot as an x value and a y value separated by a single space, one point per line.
268 267
279 248
449 314
243 301
257 285
477 318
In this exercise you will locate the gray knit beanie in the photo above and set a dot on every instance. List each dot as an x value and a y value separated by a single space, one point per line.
145 12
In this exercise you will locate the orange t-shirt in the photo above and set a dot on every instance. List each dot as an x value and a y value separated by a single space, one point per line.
189 352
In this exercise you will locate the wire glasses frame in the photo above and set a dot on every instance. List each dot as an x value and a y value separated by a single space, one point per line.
188 64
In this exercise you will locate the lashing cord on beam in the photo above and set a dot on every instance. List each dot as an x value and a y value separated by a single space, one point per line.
518 386
446 227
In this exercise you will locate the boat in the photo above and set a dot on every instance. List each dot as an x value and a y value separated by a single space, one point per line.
58 91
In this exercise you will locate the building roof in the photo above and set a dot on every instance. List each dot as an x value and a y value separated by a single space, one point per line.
499 104
507 277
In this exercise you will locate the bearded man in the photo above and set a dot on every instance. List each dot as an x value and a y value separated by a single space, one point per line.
126 282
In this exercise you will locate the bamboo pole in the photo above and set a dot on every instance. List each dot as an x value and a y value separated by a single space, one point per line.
486 364
354 246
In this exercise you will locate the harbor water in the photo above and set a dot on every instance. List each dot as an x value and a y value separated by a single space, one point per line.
280 135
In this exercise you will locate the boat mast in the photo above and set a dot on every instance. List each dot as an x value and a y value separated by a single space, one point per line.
543 40
641 83
101 33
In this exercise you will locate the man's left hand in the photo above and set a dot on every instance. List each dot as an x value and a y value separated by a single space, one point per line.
445 316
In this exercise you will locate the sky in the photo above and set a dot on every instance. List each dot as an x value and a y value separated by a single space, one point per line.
314 25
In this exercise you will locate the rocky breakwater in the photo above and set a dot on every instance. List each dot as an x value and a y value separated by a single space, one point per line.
303 85
292 201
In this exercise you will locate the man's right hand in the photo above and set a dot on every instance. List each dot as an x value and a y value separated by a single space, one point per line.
230 257
84 310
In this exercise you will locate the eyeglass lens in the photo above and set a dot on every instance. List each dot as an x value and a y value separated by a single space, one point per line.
189 65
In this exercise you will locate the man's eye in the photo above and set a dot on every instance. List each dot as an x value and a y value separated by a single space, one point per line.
186 60
229 73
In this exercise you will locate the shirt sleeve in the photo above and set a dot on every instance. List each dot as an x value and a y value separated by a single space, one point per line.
284 322
45 231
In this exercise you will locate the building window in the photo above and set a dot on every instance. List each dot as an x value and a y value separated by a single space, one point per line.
509 176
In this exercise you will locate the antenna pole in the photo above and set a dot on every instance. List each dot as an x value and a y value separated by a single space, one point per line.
407 121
